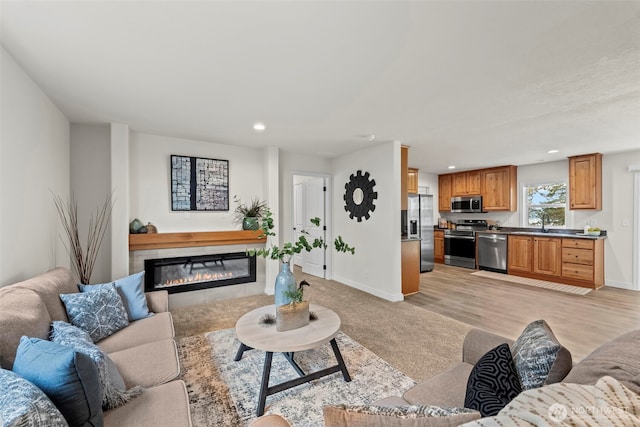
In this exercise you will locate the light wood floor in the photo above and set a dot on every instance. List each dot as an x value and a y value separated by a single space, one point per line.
581 323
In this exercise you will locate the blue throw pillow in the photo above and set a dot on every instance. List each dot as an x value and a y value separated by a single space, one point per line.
24 404
131 290
114 392
100 313
493 382
69 378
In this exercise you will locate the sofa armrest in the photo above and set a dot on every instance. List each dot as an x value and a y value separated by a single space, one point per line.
478 342
157 301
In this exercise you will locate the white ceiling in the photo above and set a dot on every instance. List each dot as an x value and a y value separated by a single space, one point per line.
470 83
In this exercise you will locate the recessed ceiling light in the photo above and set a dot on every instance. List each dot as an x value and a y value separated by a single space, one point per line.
552 151
451 167
259 127
371 137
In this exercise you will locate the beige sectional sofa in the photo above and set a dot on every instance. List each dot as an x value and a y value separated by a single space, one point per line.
144 352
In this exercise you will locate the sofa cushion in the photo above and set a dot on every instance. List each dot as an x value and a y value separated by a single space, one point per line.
49 286
493 382
446 389
24 404
143 331
131 290
607 404
68 377
114 392
400 416
100 313
166 405
617 358
22 312
149 364
539 357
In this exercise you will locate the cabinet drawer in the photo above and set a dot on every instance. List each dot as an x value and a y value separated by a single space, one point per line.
577 243
578 271
577 256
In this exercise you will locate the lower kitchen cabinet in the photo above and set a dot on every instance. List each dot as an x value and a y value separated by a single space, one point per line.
520 254
583 262
410 267
438 246
547 256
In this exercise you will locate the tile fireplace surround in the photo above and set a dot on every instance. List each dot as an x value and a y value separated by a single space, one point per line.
169 245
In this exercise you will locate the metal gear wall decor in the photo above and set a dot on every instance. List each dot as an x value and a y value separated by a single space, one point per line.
359 196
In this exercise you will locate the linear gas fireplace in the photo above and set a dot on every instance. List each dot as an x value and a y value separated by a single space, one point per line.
190 273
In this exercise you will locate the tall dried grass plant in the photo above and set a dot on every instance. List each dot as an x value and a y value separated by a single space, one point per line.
83 260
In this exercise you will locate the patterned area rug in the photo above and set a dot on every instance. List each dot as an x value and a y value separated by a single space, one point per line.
561 287
225 393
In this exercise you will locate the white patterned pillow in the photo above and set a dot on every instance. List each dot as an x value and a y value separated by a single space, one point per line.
114 392
100 313
606 404
23 404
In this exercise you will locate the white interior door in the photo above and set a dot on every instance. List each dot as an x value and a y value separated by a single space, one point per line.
298 218
314 206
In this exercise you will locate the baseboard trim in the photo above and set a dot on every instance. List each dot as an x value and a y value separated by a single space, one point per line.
376 292
620 285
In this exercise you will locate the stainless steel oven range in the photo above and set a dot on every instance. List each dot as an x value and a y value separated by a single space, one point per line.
460 244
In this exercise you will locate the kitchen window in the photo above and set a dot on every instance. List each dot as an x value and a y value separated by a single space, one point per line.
549 199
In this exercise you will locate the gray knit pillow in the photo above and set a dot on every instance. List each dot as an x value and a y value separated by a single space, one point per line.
113 387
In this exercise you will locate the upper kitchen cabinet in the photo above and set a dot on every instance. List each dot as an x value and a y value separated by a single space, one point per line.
404 170
466 183
444 192
585 181
412 180
498 188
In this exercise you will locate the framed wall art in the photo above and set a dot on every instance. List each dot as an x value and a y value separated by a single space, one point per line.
199 184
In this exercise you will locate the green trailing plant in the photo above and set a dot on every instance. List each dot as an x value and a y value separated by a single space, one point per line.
296 295
255 208
287 250
83 259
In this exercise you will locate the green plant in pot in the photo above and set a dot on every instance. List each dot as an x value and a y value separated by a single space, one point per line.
249 214
285 281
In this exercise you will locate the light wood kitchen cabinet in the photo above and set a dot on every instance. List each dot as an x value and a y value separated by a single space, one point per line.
404 169
520 254
585 181
498 188
412 180
547 256
438 246
583 262
466 183
444 192
410 267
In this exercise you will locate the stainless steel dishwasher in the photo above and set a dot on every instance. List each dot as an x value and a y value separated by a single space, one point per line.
492 252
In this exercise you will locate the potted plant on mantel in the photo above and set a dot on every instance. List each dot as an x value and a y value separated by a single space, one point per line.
249 214
285 289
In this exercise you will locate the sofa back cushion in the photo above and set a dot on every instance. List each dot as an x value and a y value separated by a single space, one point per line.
49 286
617 358
22 312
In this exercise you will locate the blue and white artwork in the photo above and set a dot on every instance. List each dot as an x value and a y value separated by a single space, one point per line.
199 184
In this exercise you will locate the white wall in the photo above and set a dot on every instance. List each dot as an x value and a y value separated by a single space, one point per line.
90 184
617 205
34 163
150 181
376 265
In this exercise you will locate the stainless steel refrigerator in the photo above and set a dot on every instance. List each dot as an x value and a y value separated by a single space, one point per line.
420 224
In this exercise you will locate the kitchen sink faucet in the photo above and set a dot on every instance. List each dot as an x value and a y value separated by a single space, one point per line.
543 218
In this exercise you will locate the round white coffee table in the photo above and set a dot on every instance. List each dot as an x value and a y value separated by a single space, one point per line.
253 334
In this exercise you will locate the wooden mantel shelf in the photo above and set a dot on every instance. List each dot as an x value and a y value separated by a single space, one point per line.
139 242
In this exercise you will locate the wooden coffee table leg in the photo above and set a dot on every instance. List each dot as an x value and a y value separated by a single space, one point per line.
264 387
343 367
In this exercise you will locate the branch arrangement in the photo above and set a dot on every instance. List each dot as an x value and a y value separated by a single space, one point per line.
83 262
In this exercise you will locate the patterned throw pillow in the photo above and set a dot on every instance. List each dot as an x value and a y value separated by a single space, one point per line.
114 392
397 416
539 357
493 382
131 290
23 404
68 377
100 313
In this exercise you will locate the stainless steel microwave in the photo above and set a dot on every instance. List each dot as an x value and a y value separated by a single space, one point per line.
466 204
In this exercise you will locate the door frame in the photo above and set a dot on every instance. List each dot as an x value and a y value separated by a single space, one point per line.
328 214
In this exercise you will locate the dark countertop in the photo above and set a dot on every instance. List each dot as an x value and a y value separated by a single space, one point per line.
572 234
411 239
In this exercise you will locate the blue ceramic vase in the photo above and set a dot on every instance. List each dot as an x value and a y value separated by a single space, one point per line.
285 281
